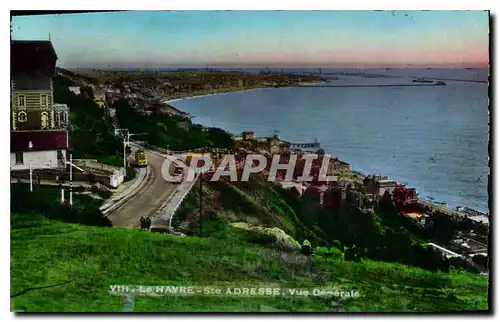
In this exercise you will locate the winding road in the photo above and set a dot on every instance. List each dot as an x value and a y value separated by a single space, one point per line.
148 200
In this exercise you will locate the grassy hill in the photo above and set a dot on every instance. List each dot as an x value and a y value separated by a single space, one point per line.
257 202
61 267
383 236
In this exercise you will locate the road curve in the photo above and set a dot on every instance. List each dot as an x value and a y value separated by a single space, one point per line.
148 200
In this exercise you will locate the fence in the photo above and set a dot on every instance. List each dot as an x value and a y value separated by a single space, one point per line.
96 166
63 176
113 180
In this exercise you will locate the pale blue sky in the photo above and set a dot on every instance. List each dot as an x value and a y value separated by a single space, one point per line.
263 38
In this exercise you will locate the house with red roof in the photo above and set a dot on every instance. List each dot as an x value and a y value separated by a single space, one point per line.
39 149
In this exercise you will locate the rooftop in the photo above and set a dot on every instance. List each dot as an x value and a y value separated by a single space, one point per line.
41 140
30 55
386 182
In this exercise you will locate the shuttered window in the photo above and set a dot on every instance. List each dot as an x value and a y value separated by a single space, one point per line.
21 100
43 100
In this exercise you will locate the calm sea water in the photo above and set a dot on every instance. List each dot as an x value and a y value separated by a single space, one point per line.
432 138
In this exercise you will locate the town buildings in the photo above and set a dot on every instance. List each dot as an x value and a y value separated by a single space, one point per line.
39 137
75 90
383 186
100 98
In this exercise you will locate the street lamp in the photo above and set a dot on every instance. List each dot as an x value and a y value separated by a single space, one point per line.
126 142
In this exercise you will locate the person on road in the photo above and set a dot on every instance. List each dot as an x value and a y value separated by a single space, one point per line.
148 223
143 223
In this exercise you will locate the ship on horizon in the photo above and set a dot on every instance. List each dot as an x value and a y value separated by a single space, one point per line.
422 80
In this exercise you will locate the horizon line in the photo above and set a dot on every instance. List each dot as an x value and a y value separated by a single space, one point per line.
305 66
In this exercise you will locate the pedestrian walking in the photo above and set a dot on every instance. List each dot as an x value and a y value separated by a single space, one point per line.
38 179
148 223
143 223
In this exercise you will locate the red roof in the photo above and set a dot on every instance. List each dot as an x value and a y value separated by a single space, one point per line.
40 140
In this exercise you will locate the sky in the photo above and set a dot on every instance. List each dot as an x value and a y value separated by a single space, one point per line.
358 39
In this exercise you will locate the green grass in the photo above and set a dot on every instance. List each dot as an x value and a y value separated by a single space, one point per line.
83 261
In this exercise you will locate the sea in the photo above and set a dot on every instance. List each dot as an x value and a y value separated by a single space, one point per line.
432 138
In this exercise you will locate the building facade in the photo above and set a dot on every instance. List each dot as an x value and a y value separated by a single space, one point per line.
384 186
41 149
61 116
39 137
32 67
100 98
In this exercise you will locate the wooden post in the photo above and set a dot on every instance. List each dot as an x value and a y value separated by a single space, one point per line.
201 204
31 177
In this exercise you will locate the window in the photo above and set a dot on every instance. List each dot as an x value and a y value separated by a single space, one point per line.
62 117
19 158
45 120
56 119
60 156
43 100
21 101
22 117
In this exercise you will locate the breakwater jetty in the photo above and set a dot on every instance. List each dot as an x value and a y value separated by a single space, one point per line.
369 85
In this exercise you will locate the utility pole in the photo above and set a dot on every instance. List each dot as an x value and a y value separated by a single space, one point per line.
31 177
126 142
71 165
201 204
71 179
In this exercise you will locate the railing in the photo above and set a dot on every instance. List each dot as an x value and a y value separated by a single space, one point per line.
96 166
186 192
167 151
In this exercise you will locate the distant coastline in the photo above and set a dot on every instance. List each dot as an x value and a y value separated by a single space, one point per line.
185 96
169 100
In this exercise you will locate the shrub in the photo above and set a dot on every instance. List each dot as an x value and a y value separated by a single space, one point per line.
352 254
336 244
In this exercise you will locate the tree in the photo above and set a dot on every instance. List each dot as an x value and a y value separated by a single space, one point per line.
386 205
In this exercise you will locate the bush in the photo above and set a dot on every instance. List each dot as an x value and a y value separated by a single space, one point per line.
306 250
352 254
334 253
44 200
260 238
336 244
